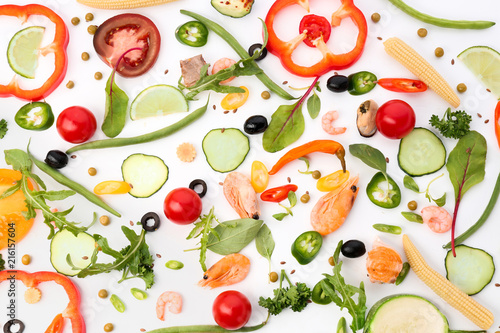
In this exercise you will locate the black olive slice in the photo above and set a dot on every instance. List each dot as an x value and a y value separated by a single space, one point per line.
256 47
197 182
150 216
12 322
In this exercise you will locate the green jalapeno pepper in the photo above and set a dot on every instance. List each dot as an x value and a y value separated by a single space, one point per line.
318 294
306 247
192 33
35 116
361 82
383 194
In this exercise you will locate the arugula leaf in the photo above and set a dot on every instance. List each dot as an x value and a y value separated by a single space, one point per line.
265 243
453 124
232 236
3 128
410 184
203 228
2 263
116 108
412 217
313 105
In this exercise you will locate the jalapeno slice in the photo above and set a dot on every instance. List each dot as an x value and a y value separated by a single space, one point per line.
361 82
306 247
383 194
35 116
318 294
192 33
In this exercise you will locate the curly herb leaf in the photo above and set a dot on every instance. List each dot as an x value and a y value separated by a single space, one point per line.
2 263
3 128
453 124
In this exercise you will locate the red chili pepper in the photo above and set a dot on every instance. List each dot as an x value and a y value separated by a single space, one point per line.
330 60
402 85
72 310
497 122
278 194
58 47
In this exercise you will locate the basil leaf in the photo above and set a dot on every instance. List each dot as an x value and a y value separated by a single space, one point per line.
410 184
440 201
369 155
116 109
286 127
313 106
412 217
233 235
265 242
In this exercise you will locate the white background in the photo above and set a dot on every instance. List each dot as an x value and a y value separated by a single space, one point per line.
169 241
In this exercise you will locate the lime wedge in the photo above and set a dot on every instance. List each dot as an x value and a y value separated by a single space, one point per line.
158 100
484 62
22 52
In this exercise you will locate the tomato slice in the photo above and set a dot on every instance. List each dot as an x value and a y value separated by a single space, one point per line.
112 187
316 26
123 32
332 181
234 100
259 176
402 85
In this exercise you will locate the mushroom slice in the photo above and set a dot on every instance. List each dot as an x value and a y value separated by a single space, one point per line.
366 118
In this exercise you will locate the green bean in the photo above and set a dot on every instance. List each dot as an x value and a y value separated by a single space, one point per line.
404 272
224 34
159 134
204 328
174 264
440 22
462 331
391 229
63 180
342 326
117 303
139 294
487 211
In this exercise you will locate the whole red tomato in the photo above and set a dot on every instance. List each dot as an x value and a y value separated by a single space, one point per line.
76 124
182 205
231 310
395 119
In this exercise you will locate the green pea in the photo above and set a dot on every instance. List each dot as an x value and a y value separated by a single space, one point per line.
403 273
139 294
174 264
117 303
391 229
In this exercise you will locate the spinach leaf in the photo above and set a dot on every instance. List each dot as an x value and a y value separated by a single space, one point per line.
232 236
116 108
265 243
313 105
410 184
370 156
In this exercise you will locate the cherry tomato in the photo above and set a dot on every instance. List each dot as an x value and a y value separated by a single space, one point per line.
316 26
234 100
123 32
332 181
231 310
182 205
76 124
395 119
402 85
259 176
278 194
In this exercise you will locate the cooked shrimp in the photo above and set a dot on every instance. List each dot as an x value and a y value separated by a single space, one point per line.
221 64
332 209
383 263
437 219
169 299
327 121
229 270
241 196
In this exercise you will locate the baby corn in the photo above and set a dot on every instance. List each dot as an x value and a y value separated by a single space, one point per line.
469 307
416 64
122 4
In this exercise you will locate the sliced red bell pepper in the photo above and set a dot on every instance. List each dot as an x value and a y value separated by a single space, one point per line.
58 47
330 60
497 123
278 194
402 85
72 310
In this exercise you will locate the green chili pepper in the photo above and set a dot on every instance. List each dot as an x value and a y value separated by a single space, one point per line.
192 33
383 194
445 23
404 272
342 326
306 247
391 229
174 264
35 116
224 34
159 134
318 294
139 294
117 303
361 82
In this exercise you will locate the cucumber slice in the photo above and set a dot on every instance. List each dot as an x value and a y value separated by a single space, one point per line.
233 8
471 270
78 247
225 148
421 152
405 313
146 174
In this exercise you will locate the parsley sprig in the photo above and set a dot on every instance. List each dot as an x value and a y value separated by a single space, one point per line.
203 229
453 124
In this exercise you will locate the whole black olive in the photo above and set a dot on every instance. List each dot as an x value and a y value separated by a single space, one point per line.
337 83
353 249
255 125
257 47
56 159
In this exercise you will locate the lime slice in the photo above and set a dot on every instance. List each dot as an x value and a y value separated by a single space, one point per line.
22 52
158 100
484 62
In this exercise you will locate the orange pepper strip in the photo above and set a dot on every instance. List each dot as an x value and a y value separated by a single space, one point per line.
57 325
322 146
497 123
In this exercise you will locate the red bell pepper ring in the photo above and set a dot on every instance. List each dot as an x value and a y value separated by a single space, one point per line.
497 123
58 47
72 310
402 85
278 194
330 60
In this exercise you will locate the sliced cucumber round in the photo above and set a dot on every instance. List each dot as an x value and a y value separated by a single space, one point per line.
146 174
421 152
471 270
80 249
225 148
233 8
